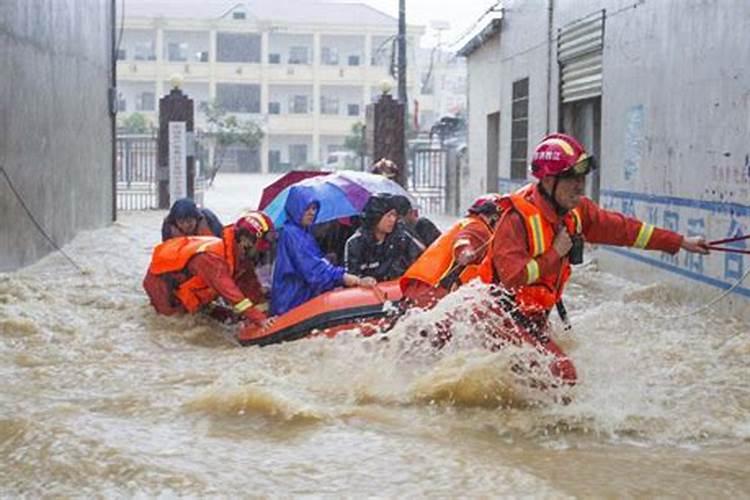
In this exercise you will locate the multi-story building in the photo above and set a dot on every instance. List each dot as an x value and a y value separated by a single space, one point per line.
304 70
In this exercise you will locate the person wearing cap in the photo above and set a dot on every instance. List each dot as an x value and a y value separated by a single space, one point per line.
380 248
386 168
453 259
300 270
421 228
186 219
544 225
188 273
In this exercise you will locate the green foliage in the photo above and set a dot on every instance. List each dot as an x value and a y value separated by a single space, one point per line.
134 123
355 141
225 130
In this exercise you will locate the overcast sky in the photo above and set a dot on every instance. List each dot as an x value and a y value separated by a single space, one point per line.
461 14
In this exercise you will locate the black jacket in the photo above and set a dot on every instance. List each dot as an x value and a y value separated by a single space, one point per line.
388 260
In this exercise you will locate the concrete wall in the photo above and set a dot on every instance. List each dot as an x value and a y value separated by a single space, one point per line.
483 99
55 126
675 119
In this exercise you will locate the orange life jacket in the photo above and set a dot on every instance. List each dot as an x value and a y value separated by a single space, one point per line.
546 290
438 260
174 255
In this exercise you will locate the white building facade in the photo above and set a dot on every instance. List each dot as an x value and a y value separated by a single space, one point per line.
303 70
657 90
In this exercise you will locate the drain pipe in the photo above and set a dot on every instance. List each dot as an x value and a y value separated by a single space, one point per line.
113 103
550 19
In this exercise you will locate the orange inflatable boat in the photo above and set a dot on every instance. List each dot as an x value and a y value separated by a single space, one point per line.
370 310
376 310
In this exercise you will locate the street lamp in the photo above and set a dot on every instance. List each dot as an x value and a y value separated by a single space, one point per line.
176 80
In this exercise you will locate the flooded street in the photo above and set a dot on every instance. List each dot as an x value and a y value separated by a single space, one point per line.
103 397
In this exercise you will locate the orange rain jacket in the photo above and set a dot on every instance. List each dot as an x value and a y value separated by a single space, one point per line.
523 260
429 278
189 272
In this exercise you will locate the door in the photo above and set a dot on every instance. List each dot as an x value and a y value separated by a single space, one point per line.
583 120
493 152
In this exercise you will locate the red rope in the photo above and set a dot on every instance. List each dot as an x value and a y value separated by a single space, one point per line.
729 250
728 240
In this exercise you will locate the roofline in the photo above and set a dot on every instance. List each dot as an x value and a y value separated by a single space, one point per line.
362 4
476 42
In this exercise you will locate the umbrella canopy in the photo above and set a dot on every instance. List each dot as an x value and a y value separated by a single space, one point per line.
341 194
273 189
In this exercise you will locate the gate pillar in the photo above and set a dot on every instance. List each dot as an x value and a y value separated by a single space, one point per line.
176 165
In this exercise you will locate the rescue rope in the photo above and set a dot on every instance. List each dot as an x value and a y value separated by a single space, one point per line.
709 304
33 219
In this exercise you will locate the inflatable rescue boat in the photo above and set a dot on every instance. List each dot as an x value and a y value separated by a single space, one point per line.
374 310
370 309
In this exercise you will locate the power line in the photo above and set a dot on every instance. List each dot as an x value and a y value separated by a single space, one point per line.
548 39
476 23
35 222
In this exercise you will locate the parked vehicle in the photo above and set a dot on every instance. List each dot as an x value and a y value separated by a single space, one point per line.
341 160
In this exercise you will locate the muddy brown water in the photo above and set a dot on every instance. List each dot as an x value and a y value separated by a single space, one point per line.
103 397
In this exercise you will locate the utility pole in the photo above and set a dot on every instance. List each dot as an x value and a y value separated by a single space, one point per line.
403 174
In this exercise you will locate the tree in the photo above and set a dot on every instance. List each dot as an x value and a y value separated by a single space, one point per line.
355 141
135 123
225 131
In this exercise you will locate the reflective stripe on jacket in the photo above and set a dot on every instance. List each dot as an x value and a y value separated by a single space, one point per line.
521 252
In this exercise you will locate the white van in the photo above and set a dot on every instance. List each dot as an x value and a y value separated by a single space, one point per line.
342 160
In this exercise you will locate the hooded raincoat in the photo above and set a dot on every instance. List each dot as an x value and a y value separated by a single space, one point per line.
300 271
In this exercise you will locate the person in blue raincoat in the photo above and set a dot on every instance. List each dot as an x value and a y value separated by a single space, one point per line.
301 272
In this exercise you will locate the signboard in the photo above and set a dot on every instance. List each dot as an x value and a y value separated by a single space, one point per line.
177 161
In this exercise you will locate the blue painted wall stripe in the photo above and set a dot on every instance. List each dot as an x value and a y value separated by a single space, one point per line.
711 206
740 290
735 209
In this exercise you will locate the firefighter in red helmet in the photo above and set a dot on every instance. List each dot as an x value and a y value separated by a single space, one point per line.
544 225
188 273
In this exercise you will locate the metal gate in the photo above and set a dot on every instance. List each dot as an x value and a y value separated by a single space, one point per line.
137 186
136 172
428 176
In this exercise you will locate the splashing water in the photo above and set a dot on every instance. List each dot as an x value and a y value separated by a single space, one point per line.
102 396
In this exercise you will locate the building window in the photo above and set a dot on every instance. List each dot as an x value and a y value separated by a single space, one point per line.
329 105
274 160
122 104
352 109
274 108
353 61
297 155
298 105
238 47
177 51
274 58
238 98
144 51
146 101
329 56
519 134
238 15
298 55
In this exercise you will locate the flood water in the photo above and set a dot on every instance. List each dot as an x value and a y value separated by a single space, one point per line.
103 397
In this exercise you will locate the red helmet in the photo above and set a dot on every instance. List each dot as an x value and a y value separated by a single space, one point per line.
487 204
258 225
560 155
